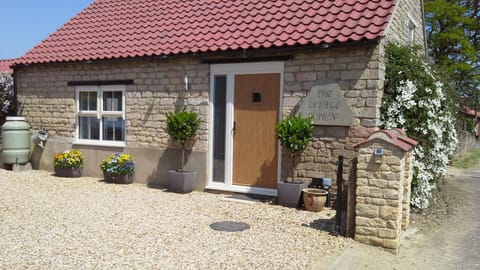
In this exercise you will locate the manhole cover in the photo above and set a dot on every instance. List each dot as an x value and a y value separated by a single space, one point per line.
229 226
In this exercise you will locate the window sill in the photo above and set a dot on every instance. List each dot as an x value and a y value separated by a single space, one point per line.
100 143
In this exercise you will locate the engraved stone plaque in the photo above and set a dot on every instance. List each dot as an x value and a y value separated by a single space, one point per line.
327 105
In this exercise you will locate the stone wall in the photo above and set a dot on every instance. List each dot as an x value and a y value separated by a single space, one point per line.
360 76
466 142
383 189
49 103
406 11
407 190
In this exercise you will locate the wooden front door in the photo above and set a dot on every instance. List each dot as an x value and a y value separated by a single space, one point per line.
255 146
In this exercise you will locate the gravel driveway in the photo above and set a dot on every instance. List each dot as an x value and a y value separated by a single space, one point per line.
49 222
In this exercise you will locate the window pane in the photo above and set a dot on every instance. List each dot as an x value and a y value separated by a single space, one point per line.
88 101
89 128
112 101
219 126
113 129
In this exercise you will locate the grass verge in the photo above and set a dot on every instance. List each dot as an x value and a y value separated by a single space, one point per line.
468 160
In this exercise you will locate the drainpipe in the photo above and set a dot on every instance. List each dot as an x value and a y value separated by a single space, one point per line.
424 30
14 75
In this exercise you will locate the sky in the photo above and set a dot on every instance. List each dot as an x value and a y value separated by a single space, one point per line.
25 23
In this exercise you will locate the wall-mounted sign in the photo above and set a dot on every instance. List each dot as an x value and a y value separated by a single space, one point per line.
327 105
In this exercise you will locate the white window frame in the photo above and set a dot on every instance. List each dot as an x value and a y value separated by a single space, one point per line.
99 113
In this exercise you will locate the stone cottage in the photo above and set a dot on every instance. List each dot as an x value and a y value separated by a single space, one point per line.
105 80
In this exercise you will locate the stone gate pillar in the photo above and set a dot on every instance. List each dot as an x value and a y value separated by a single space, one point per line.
383 188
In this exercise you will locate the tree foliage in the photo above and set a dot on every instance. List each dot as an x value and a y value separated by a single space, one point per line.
6 94
295 132
181 127
453 34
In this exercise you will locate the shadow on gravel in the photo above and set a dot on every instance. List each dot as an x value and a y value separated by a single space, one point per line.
323 224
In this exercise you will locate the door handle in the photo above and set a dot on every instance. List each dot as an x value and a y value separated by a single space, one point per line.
234 129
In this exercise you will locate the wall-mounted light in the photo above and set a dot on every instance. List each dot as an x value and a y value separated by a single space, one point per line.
378 152
185 80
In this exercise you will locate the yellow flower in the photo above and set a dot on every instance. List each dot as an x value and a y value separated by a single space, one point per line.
69 159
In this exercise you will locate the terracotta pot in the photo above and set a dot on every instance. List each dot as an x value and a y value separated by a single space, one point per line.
289 193
314 199
68 172
181 182
118 178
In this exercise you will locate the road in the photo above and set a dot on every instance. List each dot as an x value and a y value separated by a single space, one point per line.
456 244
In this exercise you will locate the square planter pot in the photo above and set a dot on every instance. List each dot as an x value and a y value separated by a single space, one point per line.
289 193
118 178
68 172
181 182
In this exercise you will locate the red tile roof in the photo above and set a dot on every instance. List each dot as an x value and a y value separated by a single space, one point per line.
5 65
471 112
129 28
397 137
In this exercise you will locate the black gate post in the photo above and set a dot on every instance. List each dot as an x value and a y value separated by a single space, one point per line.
340 205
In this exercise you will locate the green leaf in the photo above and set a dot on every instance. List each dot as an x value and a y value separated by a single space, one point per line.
182 125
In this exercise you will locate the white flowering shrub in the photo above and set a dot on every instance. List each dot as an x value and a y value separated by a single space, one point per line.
415 101
6 93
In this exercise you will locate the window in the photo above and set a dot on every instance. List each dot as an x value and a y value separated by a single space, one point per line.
411 33
101 115
219 127
412 25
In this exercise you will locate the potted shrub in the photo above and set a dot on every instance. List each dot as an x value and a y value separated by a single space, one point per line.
68 163
294 133
118 168
181 127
